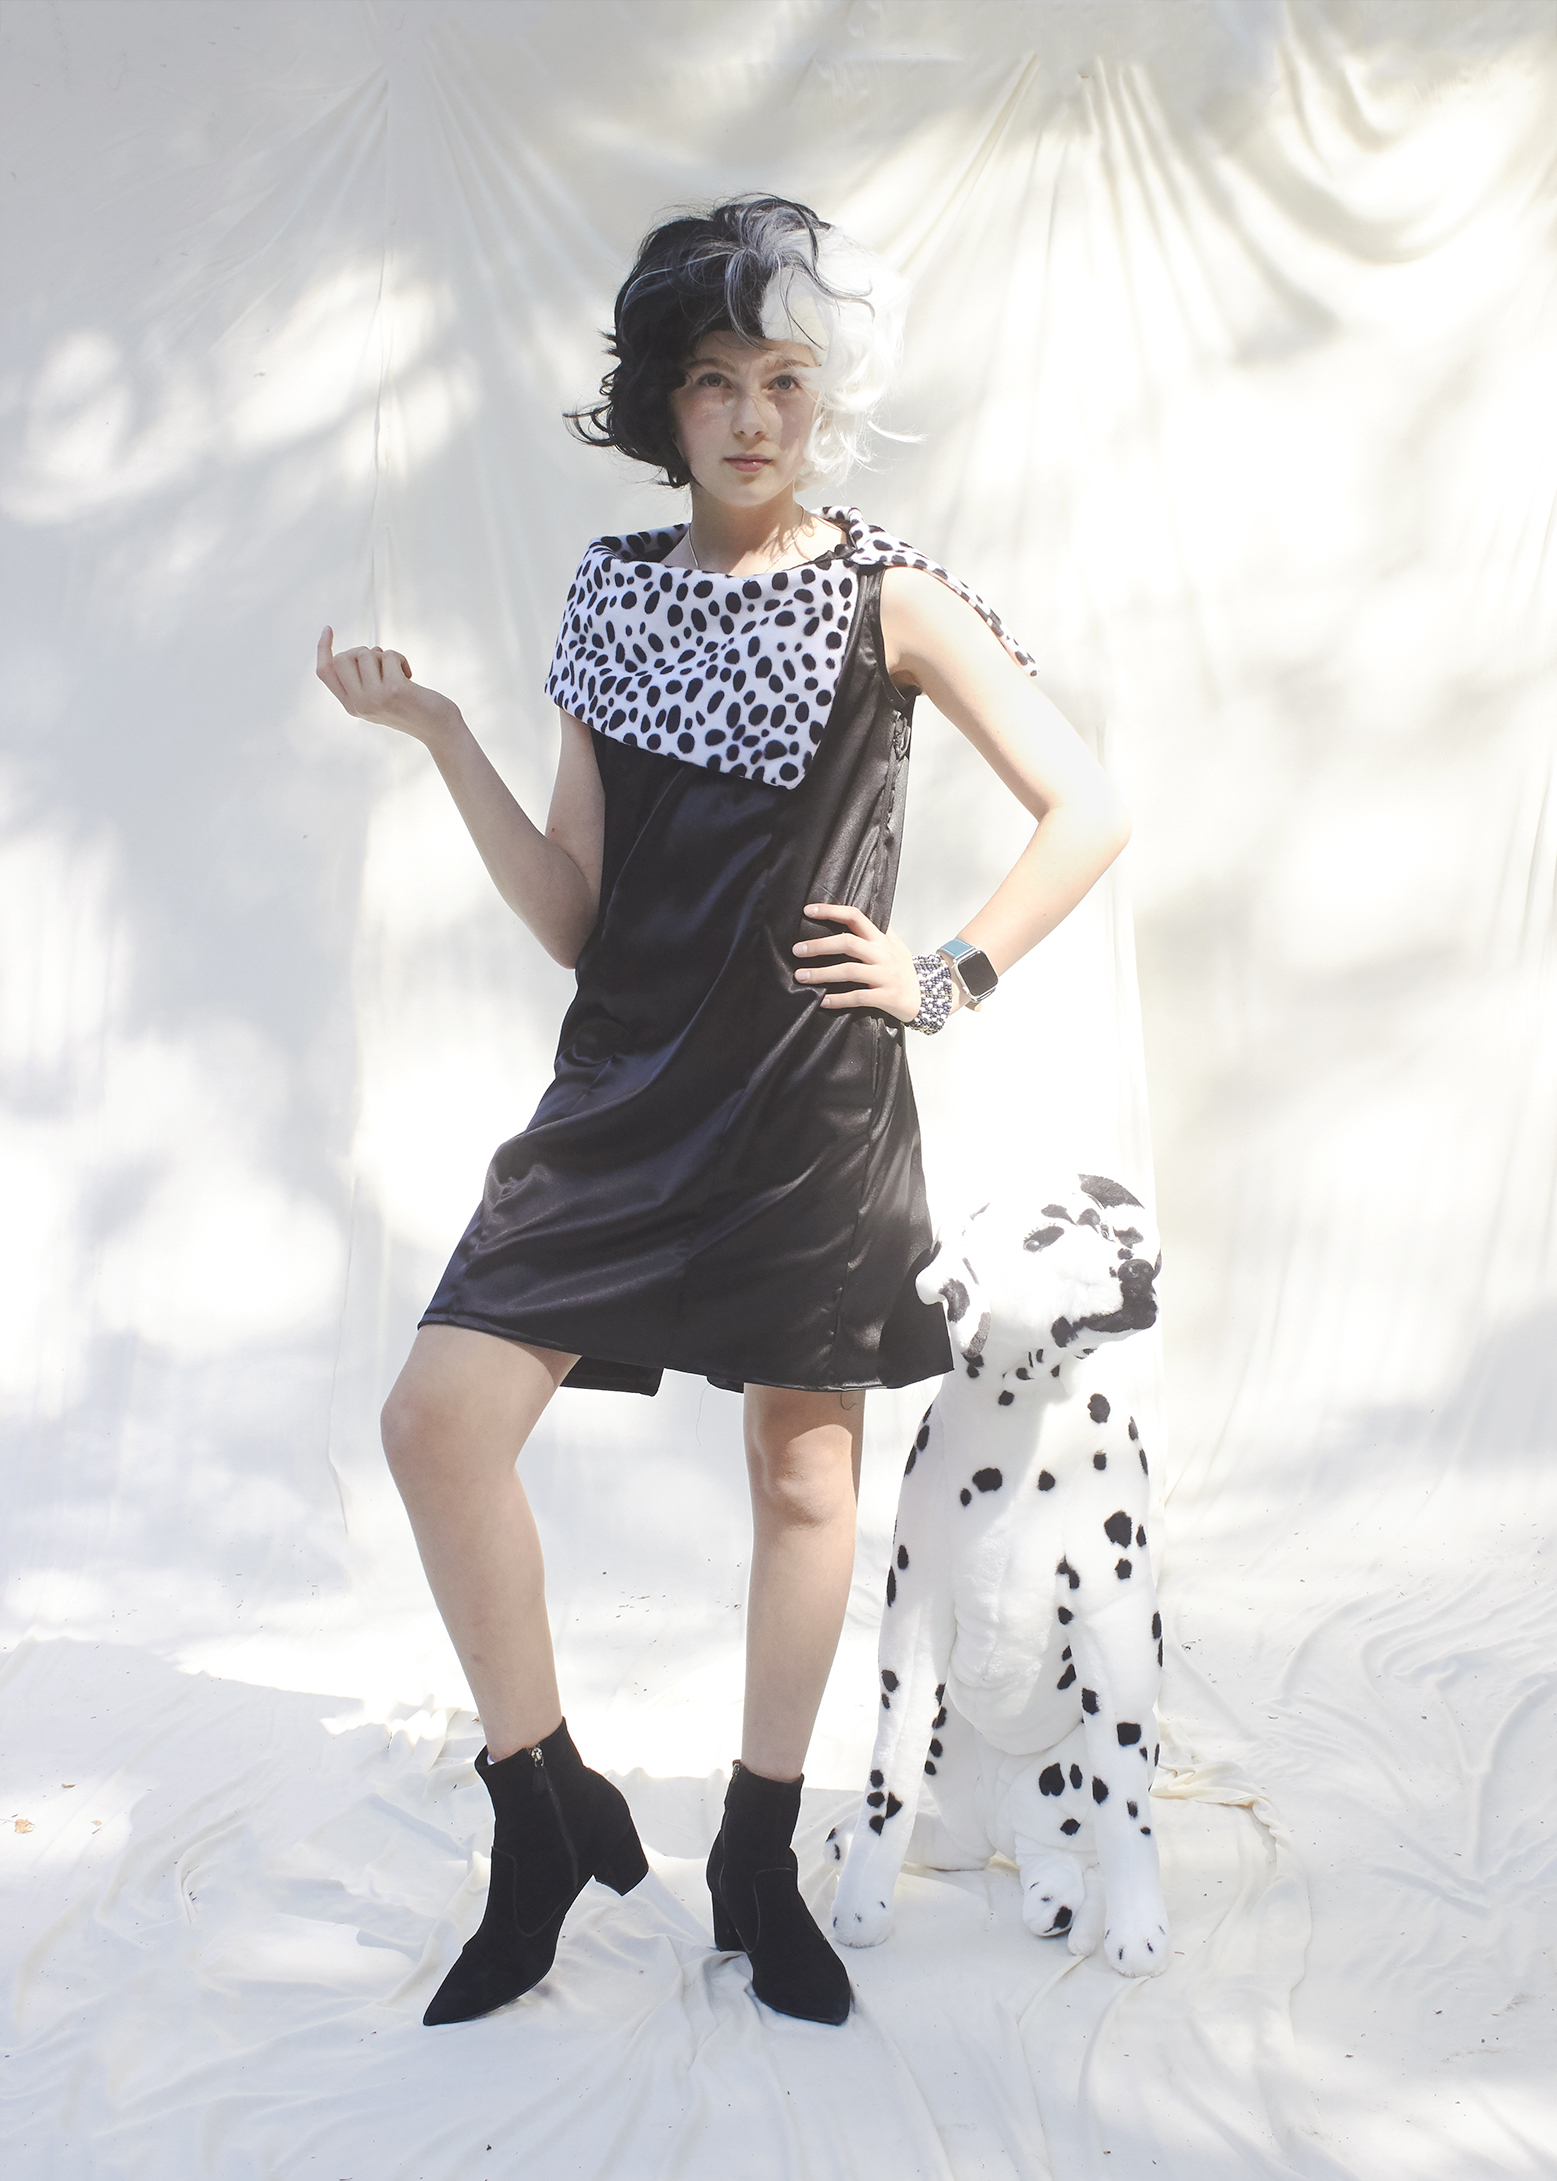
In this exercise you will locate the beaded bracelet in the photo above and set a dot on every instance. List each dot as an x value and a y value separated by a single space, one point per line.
935 994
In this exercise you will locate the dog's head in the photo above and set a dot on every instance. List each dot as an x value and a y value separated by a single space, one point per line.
1062 1280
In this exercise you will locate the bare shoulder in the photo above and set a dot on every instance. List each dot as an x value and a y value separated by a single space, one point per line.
928 631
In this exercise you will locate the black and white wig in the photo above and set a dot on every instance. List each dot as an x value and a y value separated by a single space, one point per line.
768 270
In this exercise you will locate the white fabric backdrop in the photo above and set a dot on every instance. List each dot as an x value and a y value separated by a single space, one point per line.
1232 351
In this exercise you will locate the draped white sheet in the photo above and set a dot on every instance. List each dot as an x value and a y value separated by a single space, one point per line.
1232 351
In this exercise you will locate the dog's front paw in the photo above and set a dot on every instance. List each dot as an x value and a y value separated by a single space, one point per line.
1053 1895
861 1917
1135 1942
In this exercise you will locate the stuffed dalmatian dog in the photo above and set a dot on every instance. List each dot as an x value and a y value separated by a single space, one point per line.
1021 1645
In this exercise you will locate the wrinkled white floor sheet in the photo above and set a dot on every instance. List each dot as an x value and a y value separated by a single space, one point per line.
1231 355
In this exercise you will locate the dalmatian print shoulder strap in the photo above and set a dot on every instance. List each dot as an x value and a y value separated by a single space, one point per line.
735 675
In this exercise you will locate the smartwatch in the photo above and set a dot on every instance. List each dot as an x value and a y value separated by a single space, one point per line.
972 968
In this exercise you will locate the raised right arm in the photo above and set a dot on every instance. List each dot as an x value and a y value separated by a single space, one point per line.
551 879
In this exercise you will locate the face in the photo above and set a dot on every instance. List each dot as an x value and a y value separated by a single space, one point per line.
1067 1278
743 415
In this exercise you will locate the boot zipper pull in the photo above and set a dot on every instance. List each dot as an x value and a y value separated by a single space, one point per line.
538 1777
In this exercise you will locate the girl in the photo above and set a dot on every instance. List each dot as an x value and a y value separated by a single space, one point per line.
724 1176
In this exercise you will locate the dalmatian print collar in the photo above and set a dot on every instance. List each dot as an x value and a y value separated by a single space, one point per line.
737 675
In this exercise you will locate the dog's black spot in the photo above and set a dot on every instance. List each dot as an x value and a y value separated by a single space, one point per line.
877 1779
939 1720
1041 1237
922 1438
889 1679
1097 1409
1061 1920
1123 1570
1056 1211
891 1588
965 1495
1021 1370
955 1296
1109 1194
973 1370
1055 1372
988 1480
875 1801
876 1822
935 1748
929 1768
1130 1806
1045 1481
1066 1678
1051 1780
1089 1701
1066 1616
1156 1750
1075 1775
940 1690
1062 1333
1140 1538
908 1466
1159 1654
1099 1790
1132 1235
886 1703
893 1805
1071 1825
1007 1398
1067 1570
1133 1432
1117 1528
1066 1652
1145 1472
1128 1732
1100 1461
902 1556
1156 1624
1146 1829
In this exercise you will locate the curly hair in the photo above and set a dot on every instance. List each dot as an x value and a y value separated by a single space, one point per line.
767 269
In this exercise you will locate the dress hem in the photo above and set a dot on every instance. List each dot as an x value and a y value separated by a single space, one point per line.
725 1379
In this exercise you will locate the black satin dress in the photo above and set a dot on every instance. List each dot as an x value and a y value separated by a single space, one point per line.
723 1178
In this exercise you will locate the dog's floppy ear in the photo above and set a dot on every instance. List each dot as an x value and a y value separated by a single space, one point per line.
950 1278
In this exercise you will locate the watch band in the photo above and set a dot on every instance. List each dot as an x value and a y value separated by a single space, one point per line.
973 970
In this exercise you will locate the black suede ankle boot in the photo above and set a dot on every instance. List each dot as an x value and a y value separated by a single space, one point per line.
753 1877
557 1825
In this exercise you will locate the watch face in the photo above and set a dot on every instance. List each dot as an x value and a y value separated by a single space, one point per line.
977 972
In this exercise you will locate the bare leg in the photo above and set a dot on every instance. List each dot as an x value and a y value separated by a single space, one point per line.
803 1462
454 1425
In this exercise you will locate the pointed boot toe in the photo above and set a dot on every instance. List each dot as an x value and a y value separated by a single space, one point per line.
556 1825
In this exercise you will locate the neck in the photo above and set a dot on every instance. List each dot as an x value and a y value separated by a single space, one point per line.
1032 1397
740 541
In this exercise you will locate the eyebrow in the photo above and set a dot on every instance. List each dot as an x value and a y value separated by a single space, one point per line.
779 363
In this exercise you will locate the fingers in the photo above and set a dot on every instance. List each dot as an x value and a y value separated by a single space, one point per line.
843 942
842 912
359 676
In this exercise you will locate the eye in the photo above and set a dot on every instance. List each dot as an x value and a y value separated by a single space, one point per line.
787 383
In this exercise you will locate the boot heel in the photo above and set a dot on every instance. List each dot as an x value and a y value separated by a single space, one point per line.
623 1865
727 1940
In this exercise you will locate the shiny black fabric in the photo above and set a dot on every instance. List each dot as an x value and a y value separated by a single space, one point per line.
722 1178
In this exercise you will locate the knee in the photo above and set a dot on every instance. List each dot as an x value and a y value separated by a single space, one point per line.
411 1429
800 1484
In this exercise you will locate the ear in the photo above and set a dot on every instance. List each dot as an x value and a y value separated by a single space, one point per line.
951 1279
